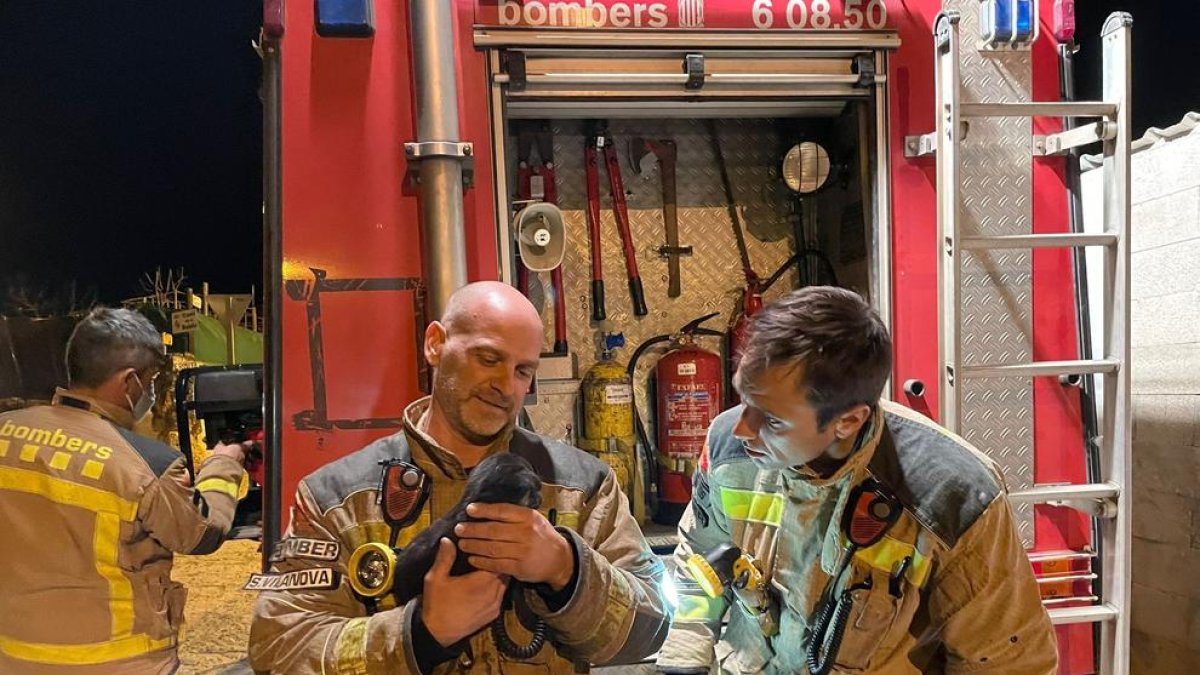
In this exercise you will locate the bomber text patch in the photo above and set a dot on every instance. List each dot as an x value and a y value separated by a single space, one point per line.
313 549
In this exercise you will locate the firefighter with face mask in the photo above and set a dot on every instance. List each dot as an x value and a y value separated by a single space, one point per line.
845 533
91 514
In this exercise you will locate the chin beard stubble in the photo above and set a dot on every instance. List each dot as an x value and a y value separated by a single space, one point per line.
452 404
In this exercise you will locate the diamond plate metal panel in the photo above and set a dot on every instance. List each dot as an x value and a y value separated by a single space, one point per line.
711 278
996 198
553 414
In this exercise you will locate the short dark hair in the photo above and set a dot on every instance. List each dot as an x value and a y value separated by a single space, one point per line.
107 340
839 342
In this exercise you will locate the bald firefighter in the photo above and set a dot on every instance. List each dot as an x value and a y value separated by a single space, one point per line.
589 582
90 514
841 532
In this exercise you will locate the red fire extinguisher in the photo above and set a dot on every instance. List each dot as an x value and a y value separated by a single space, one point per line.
689 391
689 384
751 304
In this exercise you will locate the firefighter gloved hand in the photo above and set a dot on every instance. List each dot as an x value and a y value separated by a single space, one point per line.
238 452
517 542
453 608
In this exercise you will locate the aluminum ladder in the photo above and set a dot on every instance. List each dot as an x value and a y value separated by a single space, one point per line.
1107 500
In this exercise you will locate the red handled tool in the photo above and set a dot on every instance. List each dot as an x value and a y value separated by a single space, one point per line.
599 140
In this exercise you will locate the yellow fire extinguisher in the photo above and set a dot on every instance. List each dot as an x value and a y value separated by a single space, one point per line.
606 394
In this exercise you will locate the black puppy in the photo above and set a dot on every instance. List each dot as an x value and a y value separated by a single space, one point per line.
501 478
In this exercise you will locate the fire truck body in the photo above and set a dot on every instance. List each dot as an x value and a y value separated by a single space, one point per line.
361 255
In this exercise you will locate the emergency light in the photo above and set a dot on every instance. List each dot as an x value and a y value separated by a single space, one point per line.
1064 20
345 18
1008 23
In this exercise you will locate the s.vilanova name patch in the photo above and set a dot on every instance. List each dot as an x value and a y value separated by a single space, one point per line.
323 578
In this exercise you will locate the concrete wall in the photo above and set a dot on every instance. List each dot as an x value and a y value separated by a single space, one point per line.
1166 398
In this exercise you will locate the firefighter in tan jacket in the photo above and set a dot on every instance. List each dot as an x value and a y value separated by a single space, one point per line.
885 544
90 514
590 577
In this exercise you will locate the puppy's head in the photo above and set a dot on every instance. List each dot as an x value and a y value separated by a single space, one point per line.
505 478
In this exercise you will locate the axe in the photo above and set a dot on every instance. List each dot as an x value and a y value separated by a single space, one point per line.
646 150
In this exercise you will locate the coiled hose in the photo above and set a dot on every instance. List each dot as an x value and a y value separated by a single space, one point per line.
829 629
505 643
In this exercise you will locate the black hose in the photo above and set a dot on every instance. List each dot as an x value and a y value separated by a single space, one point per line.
1083 319
824 267
829 629
505 643
648 463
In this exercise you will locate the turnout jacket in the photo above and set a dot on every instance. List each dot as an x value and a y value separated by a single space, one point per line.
966 600
90 515
616 613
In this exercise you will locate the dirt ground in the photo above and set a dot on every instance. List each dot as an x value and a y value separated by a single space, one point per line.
218 610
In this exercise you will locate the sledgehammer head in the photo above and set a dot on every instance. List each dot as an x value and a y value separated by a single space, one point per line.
643 152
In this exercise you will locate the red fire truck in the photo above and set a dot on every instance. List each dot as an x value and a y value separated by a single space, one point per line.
917 151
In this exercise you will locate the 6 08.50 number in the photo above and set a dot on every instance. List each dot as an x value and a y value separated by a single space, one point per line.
856 14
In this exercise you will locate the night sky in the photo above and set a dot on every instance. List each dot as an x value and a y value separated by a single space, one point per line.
130 137
130 133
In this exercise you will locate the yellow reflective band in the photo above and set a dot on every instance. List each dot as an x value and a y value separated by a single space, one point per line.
218 485
92 469
60 461
698 609
351 650
887 555
567 519
85 654
120 591
66 492
757 507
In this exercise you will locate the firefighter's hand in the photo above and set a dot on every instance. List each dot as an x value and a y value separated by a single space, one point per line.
235 451
453 608
518 542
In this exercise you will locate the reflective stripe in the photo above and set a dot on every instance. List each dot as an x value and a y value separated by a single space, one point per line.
85 654
120 591
218 485
887 555
65 492
350 654
110 510
756 507
698 608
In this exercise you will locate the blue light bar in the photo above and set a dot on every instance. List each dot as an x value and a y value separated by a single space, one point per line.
996 21
345 18
1023 24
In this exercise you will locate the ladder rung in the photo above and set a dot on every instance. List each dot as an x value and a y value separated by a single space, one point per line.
1043 556
1043 368
1066 577
1044 494
1047 109
1055 240
1095 613
1049 602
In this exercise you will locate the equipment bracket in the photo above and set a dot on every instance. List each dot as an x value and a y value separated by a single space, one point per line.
464 151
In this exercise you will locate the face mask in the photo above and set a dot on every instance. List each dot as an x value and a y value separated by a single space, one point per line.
144 402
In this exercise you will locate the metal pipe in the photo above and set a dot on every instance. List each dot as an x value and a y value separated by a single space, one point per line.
272 295
441 176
